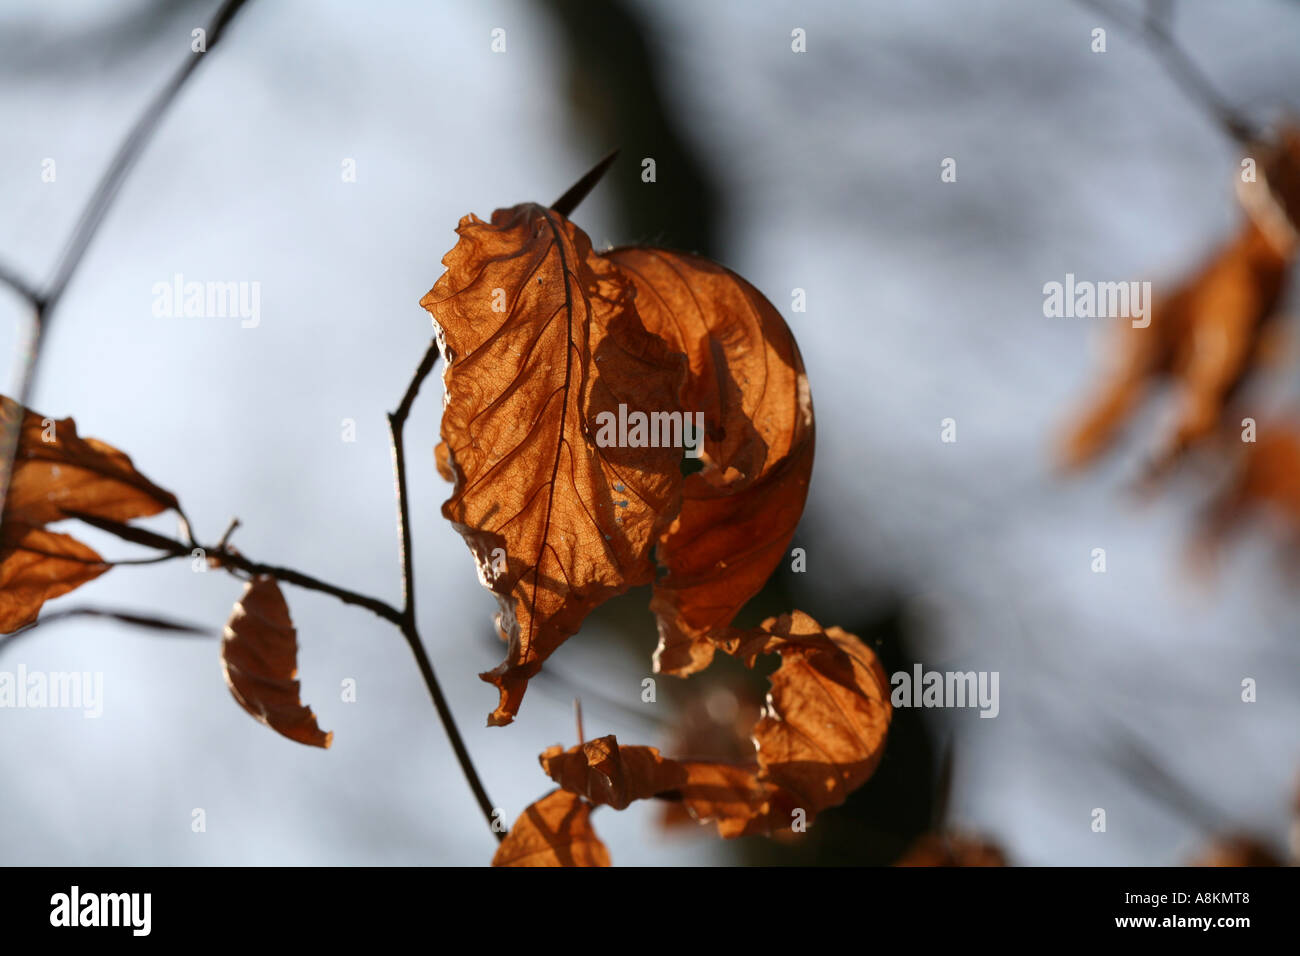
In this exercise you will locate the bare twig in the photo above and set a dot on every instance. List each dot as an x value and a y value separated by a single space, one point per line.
228 558
151 622
147 621
396 423
1154 29
10 277
44 302
230 529
127 153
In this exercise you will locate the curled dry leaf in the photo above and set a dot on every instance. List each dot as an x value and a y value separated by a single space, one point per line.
554 831
259 656
540 336
1208 333
55 471
823 731
820 737
36 566
607 774
739 512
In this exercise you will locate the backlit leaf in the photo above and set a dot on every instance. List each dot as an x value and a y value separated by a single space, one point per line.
554 831
739 512
540 337
605 773
55 470
259 655
37 565
823 731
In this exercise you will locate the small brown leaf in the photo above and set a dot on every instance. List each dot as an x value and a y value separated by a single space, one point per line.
739 512
605 773
259 655
540 339
823 731
554 831
37 565
55 471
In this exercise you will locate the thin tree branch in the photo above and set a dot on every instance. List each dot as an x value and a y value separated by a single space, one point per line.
229 558
129 151
10 277
347 596
43 303
225 556
1153 28
426 366
396 424
150 622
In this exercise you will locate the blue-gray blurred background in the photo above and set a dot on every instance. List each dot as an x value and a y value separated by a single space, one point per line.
817 171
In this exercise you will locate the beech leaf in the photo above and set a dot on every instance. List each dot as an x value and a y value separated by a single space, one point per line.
823 731
734 797
259 656
820 737
554 831
605 773
539 337
739 513
37 565
55 470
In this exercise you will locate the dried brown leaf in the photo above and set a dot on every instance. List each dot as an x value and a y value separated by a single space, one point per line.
37 565
259 656
823 731
56 471
539 337
736 798
442 461
554 831
739 512
607 774
820 737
